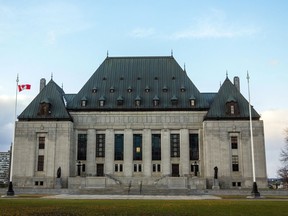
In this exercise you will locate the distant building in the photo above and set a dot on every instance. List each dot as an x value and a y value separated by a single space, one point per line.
4 166
138 119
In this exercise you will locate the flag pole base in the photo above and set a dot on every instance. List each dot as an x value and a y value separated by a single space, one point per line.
10 191
255 193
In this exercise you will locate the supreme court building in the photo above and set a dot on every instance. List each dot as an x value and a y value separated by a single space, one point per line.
138 119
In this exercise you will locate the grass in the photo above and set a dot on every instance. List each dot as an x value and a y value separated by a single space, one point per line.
37 206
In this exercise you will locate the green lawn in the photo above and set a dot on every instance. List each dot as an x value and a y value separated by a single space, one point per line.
38 206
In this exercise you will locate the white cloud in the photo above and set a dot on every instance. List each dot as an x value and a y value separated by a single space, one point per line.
214 25
142 32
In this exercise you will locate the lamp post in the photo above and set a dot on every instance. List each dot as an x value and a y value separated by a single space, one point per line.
254 192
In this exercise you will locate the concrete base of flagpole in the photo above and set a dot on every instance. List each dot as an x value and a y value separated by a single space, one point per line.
10 191
255 193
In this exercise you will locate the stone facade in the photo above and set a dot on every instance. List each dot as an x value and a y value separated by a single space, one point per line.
155 140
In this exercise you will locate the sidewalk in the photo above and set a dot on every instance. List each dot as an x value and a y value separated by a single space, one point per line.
132 197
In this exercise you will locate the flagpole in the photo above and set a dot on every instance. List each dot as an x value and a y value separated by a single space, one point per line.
10 191
254 192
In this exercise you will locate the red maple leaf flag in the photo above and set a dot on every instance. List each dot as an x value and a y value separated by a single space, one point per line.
24 87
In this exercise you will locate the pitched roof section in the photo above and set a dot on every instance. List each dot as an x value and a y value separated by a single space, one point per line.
53 95
132 78
229 93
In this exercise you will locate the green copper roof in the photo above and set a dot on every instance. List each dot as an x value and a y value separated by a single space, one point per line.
146 78
51 94
229 93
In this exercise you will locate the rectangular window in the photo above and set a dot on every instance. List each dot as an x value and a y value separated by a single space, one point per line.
156 146
41 142
175 145
119 147
194 146
40 166
82 147
156 167
235 163
100 145
137 146
234 142
137 167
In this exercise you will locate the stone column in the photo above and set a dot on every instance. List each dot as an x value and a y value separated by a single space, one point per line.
91 152
128 152
165 152
147 151
109 151
184 152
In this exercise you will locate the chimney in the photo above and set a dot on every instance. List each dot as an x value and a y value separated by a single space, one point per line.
237 82
42 83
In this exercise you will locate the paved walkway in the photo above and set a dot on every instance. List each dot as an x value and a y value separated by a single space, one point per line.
132 197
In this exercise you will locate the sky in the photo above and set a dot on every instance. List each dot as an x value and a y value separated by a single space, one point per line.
69 39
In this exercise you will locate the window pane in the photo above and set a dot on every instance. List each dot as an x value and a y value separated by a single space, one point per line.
119 147
100 145
156 146
40 163
175 145
82 146
137 147
194 146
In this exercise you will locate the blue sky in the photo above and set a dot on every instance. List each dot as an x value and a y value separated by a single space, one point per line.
71 38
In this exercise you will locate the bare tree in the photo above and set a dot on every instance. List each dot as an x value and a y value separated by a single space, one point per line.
283 171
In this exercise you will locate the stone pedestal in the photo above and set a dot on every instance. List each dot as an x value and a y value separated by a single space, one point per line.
58 184
215 184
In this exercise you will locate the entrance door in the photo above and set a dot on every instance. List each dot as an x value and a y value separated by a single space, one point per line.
175 170
100 170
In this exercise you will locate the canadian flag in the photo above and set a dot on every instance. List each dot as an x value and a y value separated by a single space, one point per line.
24 87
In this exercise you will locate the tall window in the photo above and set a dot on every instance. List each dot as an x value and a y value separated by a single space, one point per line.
156 146
235 163
234 142
175 145
82 147
194 146
41 142
40 165
100 145
137 146
119 147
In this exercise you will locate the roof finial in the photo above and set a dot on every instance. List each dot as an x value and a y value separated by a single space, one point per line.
226 74
52 76
107 53
171 52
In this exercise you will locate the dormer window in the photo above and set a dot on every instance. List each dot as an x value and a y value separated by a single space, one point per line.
192 101
232 107
174 100
129 89
84 102
165 89
120 101
156 101
94 90
102 101
137 101
147 89
112 90
182 89
44 108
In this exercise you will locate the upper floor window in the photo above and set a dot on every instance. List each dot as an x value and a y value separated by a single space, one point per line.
235 163
232 108
175 145
120 101
147 89
41 142
137 101
174 100
101 101
234 142
100 145
45 108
